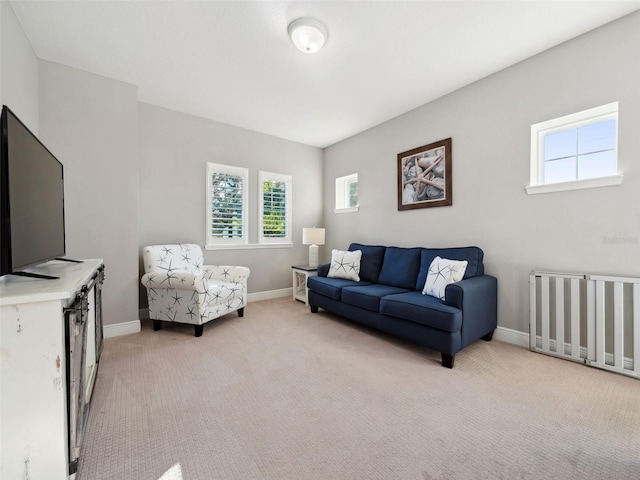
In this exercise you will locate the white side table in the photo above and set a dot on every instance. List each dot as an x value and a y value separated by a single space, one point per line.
300 275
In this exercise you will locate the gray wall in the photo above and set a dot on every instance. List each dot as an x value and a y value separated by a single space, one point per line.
103 136
91 124
591 231
174 150
18 70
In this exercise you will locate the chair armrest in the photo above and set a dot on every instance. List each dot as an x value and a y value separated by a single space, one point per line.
226 273
179 279
323 269
477 297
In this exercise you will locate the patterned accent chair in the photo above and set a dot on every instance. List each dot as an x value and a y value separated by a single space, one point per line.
181 289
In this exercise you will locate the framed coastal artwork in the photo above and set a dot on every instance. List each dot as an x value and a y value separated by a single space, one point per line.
424 176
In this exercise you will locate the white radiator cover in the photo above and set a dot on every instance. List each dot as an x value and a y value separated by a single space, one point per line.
592 319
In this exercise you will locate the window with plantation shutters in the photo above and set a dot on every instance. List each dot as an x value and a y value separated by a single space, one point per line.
275 208
227 199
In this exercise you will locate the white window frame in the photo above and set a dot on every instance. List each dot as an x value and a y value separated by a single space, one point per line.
574 120
275 177
215 242
342 194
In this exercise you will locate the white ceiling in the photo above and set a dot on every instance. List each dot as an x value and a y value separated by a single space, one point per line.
232 61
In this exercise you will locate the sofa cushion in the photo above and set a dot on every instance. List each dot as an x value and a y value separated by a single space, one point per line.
371 260
368 296
331 287
400 267
345 265
473 256
422 309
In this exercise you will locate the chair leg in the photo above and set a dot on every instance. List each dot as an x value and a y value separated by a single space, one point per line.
157 325
241 312
199 329
313 308
488 336
447 360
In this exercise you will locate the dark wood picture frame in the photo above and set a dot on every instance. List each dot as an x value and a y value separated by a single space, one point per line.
424 176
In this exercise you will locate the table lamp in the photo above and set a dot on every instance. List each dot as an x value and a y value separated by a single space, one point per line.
313 237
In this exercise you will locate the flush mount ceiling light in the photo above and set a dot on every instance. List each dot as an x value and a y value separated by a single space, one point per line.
307 34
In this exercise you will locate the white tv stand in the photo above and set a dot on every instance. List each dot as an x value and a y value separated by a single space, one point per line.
50 344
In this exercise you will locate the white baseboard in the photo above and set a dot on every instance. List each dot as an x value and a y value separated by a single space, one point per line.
501 333
270 294
522 339
124 328
514 337
609 358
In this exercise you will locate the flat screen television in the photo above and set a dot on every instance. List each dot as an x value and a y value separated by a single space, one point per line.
31 199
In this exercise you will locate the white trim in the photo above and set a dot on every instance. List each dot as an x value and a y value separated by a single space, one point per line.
251 297
342 195
126 328
573 120
346 210
248 246
514 337
270 294
575 185
118 329
521 339
503 334
578 119
565 355
609 278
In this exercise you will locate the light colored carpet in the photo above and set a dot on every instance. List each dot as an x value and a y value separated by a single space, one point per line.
286 394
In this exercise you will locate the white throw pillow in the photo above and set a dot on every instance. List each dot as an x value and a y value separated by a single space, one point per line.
442 272
345 265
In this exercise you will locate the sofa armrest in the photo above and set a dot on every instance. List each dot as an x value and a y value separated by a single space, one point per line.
477 297
323 269
226 273
179 279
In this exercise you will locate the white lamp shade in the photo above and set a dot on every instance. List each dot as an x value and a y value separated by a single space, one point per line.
307 34
313 236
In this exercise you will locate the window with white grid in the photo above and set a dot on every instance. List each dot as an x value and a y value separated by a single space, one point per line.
575 151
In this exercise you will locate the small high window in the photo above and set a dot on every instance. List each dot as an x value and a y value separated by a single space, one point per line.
347 193
575 151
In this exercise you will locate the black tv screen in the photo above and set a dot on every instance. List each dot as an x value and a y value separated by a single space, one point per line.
32 199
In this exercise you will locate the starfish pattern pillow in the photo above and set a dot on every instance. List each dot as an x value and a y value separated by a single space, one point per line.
442 272
345 265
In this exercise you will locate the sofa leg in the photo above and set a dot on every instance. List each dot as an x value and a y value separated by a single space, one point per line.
199 329
447 360
488 336
313 308
241 312
157 325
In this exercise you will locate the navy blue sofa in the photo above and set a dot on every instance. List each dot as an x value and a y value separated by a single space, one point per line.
389 297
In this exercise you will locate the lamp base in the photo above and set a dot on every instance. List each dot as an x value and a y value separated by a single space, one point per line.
313 255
